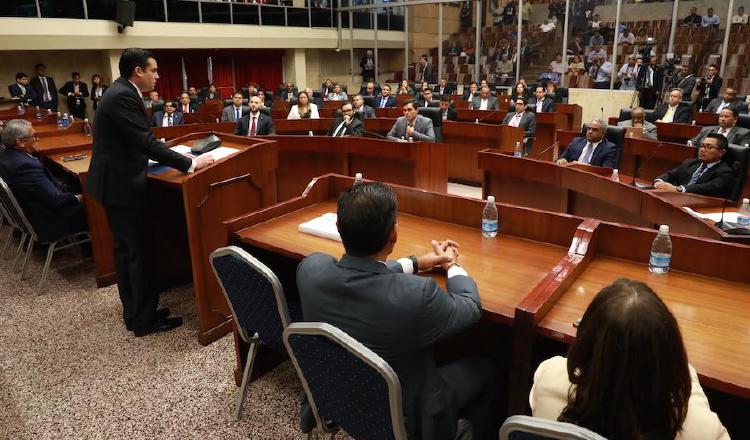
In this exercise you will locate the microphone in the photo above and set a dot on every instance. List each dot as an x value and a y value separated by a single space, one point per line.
378 135
556 143
720 223
651 156
727 227
486 116
602 109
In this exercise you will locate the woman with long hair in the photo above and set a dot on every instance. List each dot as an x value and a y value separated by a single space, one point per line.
626 376
97 89
304 109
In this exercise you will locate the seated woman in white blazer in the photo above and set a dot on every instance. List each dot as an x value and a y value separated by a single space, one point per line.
626 375
304 109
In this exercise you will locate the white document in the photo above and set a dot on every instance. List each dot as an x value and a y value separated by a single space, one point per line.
222 152
730 217
323 226
182 149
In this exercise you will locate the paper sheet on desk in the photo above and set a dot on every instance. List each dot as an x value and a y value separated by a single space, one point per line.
182 149
730 217
222 152
323 226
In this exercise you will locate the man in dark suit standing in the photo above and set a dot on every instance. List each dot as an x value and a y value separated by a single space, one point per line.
76 90
447 112
52 211
169 117
346 124
255 123
708 86
123 143
674 110
385 100
541 102
594 149
21 91
44 87
417 311
524 119
686 82
727 127
708 175
424 70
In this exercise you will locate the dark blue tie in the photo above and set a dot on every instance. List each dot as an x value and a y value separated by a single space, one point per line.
698 173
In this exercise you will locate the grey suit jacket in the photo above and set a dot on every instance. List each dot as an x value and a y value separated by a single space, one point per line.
367 112
528 123
713 106
491 103
229 115
649 129
737 135
400 317
423 130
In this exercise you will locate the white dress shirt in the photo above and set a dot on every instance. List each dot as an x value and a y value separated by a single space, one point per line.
165 121
515 120
483 103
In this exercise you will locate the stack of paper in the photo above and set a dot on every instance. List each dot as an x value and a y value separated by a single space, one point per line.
730 217
182 149
323 226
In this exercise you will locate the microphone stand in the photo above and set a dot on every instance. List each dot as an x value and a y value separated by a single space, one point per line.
648 159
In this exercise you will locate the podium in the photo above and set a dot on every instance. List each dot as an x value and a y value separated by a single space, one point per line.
673 132
547 124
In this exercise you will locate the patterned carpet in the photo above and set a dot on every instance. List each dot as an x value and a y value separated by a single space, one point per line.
70 370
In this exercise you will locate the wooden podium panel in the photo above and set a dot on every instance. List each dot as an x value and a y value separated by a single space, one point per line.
465 139
573 114
391 112
201 116
182 130
679 133
703 118
303 126
381 126
483 116
547 124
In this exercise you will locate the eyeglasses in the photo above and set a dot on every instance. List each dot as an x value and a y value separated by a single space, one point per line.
31 136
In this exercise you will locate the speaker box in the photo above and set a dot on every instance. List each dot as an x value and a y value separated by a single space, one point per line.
124 14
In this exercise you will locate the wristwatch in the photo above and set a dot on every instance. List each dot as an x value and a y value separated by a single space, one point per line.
681 188
414 262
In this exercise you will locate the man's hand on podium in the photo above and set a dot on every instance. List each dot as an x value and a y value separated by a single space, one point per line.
203 161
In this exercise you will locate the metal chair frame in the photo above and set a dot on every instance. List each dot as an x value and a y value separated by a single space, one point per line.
363 353
546 429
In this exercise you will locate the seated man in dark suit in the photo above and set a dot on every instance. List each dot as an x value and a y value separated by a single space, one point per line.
346 124
400 315
471 91
729 100
443 88
594 149
52 211
541 102
674 110
20 90
447 112
288 94
522 118
707 175
168 117
186 104
362 110
254 123
385 100
485 100
727 127
369 90
425 99
153 100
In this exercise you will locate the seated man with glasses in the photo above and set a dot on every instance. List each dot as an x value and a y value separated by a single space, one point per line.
52 211
346 124
707 175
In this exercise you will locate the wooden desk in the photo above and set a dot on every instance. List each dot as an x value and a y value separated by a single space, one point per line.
391 113
60 141
187 213
212 105
181 130
483 116
303 126
679 133
572 114
201 116
332 105
547 124
30 115
584 191
50 130
465 139
703 118
381 126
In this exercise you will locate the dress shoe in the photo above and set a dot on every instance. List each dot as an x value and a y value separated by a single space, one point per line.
161 325
160 314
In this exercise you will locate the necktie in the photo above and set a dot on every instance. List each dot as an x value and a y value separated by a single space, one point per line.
253 128
237 116
587 153
76 89
669 116
698 173
185 109
382 102
47 96
339 130
169 122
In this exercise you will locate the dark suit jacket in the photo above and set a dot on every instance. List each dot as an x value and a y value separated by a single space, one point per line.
687 84
390 102
367 112
452 114
492 103
426 75
528 123
717 181
123 143
159 116
354 128
683 114
548 104
605 154
36 84
68 88
30 96
736 104
410 312
419 102
737 135
52 211
265 125
448 90
466 95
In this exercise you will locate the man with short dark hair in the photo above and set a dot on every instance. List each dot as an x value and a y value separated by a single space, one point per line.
75 90
44 87
123 144
424 70
412 126
443 88
709 86
21 91
361 109
485 100
401 315
346 124
729 100
169 117
541 103
385 100
693 19
471 91
708 175
447 112
255 123
425 100
234 112
153 100
522 118
594 149
727 127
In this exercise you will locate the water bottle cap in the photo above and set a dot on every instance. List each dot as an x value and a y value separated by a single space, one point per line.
86 120
745 201
615 171
491 199
358 176
664 229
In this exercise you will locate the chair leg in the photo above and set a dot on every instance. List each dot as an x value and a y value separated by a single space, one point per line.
18 250
50 252
7 243
29 248
240 403
331 436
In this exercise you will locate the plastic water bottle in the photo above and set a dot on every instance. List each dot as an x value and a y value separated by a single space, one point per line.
358 179
86 127
661 252
20 110
743 216
65 120
693 122
615 175
518 151
59 120
310 133
490 220
39 113
689 143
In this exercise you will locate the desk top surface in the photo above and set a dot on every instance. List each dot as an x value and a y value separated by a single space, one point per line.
506 268
714 319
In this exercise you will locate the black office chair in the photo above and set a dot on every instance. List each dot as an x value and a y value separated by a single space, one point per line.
369 100
614 134
246 92
437 120
157 108
562 94
363 89
743 120
738 157
266 111
648 113
227 102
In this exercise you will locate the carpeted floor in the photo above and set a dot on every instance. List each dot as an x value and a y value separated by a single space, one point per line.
70 370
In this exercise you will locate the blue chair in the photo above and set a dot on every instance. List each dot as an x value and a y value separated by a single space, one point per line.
258 305
534 428
347 384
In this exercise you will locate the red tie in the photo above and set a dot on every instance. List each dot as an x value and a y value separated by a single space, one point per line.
185 109
252 127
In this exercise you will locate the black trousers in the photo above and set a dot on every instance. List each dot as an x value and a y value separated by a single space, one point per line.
475 382
133 261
